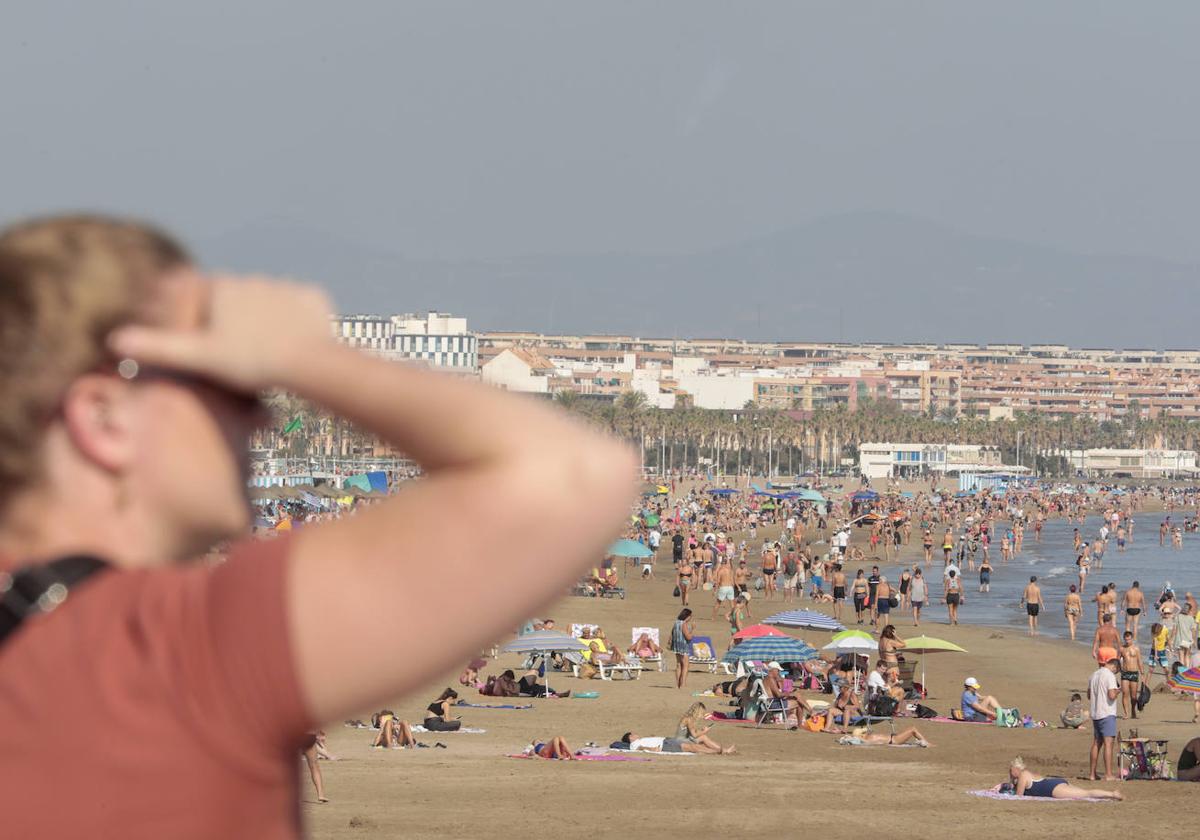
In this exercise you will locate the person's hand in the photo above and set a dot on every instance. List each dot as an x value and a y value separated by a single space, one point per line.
249 333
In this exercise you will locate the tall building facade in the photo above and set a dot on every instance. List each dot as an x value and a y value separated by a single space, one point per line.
436 339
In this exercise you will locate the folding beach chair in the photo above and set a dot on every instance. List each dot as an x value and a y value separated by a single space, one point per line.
703 653
652 632
766 710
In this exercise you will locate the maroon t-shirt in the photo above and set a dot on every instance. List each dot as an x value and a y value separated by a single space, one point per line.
156 703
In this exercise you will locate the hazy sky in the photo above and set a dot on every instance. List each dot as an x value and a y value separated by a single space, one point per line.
485 129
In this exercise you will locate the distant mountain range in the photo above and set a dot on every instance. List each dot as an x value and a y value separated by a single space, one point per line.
853 277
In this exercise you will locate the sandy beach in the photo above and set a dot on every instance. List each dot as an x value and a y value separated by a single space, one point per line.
779 782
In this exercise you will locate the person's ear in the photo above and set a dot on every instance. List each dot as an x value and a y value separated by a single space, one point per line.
96 413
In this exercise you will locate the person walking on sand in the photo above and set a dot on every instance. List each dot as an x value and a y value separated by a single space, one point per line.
1105 638
920 594
1103 691
1133 670
681 644
723 585
1031 599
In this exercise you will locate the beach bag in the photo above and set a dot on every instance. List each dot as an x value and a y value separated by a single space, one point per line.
893 601
925 712
815 723
1008 718
675 594
882 706
1143 698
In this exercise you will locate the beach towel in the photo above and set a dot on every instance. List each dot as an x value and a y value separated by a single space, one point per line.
721 717
851 741
466 730
604 757
941 719
863 720
991 794
489 706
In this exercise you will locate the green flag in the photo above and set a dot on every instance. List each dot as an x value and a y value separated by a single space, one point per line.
292 426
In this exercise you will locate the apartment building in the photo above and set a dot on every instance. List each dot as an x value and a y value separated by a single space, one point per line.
436 339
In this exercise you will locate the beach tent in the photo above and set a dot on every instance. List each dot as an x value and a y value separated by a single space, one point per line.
770 648
722 491
804 618
864 496
361 481
628 548
377 481
544 642
928 644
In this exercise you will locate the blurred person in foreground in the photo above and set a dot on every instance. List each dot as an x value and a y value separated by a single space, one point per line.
130 384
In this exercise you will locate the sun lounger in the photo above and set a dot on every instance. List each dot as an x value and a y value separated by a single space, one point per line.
653 633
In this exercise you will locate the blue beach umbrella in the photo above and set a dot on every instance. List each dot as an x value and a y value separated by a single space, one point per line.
809 495
770 648
628 548
805 618
722 491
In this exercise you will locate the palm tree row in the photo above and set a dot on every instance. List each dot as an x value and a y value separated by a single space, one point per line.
761 440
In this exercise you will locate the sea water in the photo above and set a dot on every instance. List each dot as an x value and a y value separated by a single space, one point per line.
1053 561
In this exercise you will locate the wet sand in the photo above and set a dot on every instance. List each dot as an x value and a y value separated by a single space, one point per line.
781 783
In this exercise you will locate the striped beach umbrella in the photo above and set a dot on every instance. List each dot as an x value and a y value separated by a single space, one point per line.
1188 681
770 648
805 618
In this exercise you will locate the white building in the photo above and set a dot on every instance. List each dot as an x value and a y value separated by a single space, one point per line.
894 460
519 369
438 339
369 332
1139 463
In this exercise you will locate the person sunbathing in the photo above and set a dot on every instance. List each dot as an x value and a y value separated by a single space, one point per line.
694 730
1022 782
394 733
859 736
601 655
730 688
554 748
645 647
470 674
846 706
636 743
530 687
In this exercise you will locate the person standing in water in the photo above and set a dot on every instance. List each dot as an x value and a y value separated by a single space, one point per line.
1031 599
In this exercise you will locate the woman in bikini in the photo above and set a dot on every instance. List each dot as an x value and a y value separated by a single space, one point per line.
1072 608
1024 783
555 748
684 577
889 644
859 737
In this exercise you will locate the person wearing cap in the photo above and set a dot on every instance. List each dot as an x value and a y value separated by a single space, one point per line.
976 706
793 700
1103 691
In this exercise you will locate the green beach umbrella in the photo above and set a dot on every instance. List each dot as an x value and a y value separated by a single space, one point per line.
928 644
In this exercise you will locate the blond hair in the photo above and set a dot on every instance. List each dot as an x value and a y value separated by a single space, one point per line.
1018 762
65 283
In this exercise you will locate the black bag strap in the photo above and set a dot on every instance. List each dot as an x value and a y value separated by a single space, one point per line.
39 589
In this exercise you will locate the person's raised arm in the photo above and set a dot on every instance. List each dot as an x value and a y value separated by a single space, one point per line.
506 477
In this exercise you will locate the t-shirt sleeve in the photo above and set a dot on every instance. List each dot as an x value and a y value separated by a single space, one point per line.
233 674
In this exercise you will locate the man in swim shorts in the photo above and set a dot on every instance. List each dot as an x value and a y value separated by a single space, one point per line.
1134 602
723 583
1032 600
1132 668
